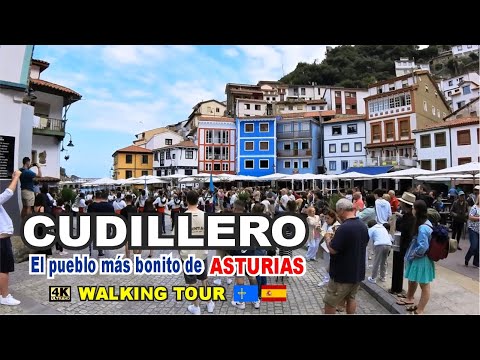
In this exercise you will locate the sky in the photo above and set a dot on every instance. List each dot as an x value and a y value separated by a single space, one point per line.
127 89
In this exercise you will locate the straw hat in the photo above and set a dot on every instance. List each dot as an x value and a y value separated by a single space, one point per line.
408 198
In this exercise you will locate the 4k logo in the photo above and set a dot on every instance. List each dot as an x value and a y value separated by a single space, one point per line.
60 293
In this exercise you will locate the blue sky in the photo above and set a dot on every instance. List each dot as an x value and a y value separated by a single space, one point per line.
127 89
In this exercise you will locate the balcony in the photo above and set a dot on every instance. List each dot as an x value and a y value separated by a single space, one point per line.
294 153
49 126
393 161
294 134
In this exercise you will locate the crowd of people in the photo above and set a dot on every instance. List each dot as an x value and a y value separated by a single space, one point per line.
339 232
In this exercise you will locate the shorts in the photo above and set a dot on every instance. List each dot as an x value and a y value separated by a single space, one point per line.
28 197
192 279
337 292
6 256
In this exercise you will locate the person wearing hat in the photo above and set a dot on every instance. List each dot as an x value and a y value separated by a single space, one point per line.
459 214
404 225
472 198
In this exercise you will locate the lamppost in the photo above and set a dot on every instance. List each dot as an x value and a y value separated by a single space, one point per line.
70 144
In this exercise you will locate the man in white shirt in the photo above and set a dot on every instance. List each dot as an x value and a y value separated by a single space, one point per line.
382 207
282 202
7 260
119 204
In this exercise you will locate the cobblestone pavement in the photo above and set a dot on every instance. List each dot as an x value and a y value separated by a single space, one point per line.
303 294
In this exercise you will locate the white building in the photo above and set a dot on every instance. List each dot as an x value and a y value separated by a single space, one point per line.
449 86
49 123
344 143
455 142
204 108
342 100
15 142
466 92
462 50
251 107
181 158
405 66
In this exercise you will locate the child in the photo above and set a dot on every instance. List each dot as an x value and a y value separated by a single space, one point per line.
382 244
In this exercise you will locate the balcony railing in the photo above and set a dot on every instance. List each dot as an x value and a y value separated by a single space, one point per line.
294 134
49 126
393 161
292 153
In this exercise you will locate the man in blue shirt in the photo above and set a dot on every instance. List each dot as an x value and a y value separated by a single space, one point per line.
26 185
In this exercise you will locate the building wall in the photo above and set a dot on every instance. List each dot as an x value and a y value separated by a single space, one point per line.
210 108
202 160
352 157
241 111
15 64
427 93
433 152
158 140
465 151
256 154
178 162
55 103
449 85
460 50
460 98
47 153
121 166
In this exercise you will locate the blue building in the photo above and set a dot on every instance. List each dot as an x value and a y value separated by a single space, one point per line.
298 143
256 145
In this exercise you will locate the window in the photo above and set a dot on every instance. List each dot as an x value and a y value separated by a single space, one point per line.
460 79
332 148
155 156
188 172
128 158
332 165
336 130
466 90
302 91
440 164
248 128
264 127
379 90
144 172
348 107
433 110
258 107
463 137
128 174
305 145
208 136
425 141
295 164
460 104
216 167
264 145
358 147
352 94
426 164
389 130
376 132
425 106
299 107
459 47
248 146
264 164
404 126
305 165
391 102
391 87
216 110
314 108
287 165
338 107
469 46
438 113
290 107
268 99
167 154
404 83
274 98
208 167
188 154
426 88
464 160
440 139
352 129
248 164
344 164
286 146
354 107
247 106
159 172
145 159
345 147
168 141
450 83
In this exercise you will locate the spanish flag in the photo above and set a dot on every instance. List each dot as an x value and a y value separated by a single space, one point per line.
274 292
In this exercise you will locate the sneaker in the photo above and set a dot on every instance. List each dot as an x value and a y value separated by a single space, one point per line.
238 304
229 281
382 279
63 253
195 310
210 306
324 282
372 280
217 282
256 304
9 300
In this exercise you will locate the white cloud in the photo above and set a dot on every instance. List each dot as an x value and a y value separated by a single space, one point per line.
231 52
133 54
135 93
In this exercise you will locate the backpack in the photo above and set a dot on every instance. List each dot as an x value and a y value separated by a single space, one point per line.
439 243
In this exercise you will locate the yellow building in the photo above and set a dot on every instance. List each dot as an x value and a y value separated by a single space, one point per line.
132 161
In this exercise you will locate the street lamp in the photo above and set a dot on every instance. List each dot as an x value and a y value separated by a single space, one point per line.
70 143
